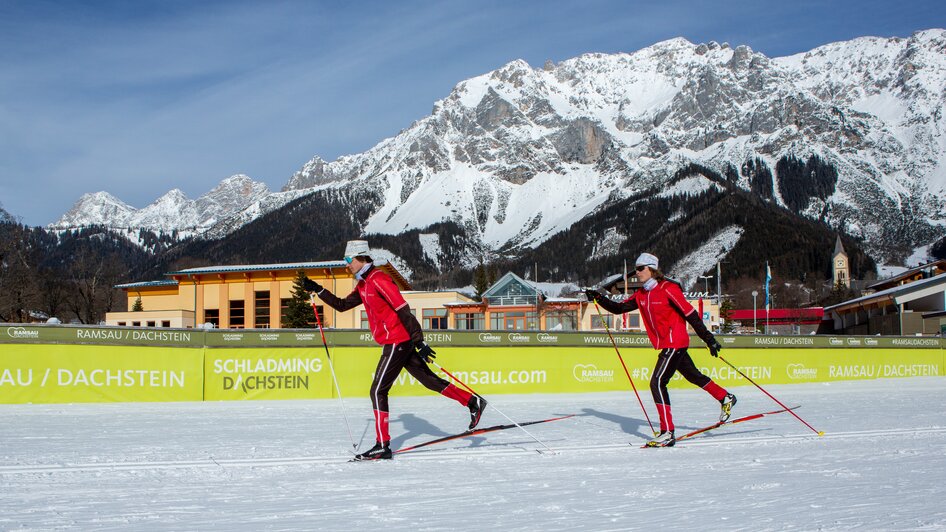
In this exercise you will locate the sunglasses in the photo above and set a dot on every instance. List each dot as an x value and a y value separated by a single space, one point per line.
641 268
348 260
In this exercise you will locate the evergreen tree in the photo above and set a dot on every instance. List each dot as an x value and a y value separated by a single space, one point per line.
480 283
138 306
725 311
299 313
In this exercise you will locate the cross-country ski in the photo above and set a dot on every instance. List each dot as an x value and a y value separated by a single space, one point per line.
719 424
467 434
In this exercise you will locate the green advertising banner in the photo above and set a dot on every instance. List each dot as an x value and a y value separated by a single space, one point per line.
266 373
80 334
506 370
84 374
84 364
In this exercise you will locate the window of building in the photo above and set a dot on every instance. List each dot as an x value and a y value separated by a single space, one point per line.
283 310
321 310
237 309
561 320
121 324
165 323
363 324
435 318
513 321
471 321
136 324
150 323
598 322
212 315
261 307
512 292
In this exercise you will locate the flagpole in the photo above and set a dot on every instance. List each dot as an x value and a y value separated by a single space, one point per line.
624 316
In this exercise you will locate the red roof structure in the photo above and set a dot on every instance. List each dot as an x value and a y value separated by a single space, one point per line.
777 316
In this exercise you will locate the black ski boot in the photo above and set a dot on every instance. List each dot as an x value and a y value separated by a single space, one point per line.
380 451
477 405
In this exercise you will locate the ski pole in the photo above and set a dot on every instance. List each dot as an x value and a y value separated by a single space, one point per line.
461 383
332 368
790 410
618 351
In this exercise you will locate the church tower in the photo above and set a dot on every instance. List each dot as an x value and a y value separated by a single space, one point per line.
842 267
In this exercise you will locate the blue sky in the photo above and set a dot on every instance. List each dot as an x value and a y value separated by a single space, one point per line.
139 97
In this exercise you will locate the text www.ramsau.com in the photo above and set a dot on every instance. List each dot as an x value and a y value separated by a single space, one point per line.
488 377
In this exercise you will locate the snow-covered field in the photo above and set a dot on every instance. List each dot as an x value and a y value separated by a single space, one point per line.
283 465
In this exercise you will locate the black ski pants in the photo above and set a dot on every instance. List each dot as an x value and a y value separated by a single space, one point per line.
670 361
395 357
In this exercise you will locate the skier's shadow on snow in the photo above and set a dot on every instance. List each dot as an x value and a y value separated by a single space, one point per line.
629 425
418 426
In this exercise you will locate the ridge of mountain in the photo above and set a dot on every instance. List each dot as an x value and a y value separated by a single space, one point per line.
850 135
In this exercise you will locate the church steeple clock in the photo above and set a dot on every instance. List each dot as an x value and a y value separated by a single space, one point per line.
841 265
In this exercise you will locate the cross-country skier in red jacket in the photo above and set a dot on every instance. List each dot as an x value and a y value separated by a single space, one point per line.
401 339
666 312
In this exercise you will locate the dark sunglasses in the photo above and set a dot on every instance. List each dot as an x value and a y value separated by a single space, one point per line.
641 268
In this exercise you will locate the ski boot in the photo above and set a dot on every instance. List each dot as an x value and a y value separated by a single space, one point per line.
380 451
477 405
726 407
664 439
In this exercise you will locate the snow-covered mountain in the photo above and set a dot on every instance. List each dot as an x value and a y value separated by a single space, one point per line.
173 212
519 154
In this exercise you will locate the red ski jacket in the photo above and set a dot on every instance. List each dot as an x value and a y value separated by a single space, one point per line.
665 312
382 301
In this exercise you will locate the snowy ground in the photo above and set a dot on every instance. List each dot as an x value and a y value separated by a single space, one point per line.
283 465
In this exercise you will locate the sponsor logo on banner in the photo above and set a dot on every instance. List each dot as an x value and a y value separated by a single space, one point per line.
518 338
249 375
22 332
365 337
871 341
305 337
232 337
547 338
490 338
799 371
728 340
269 337
925 342
835 341
591 373
784 340
853 341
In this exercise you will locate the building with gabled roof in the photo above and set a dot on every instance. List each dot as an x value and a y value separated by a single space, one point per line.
251 296
899 309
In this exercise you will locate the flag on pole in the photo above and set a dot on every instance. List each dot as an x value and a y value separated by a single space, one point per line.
624 316
768 279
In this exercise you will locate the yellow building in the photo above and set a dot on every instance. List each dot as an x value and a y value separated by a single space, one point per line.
256 297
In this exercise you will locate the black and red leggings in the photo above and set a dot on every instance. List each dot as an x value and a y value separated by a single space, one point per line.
670 361
394 358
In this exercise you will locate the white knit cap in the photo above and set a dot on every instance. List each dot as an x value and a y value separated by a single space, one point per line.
355 248
646 259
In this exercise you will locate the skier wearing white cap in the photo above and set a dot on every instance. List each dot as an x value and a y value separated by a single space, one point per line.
400 336
665 313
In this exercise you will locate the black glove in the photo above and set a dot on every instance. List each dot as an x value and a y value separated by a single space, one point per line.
714 347
592 294
425 352
311 286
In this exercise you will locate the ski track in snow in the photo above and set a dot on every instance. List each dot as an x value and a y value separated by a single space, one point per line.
282 465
